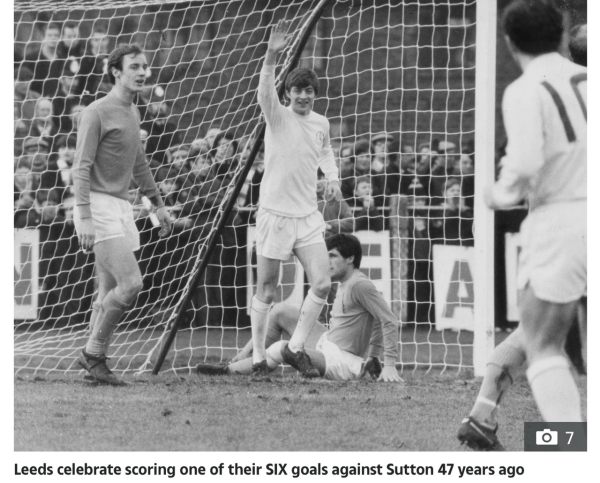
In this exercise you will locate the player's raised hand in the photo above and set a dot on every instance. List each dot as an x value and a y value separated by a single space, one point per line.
279 36
390 374
165 221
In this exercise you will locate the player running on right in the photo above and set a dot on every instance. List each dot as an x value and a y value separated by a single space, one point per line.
545 114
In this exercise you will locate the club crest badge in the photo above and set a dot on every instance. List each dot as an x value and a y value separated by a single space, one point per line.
320 135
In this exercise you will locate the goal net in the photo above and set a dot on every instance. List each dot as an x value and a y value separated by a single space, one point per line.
398 86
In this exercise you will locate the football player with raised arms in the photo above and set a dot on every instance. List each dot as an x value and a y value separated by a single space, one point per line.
288 221
108 155
545 115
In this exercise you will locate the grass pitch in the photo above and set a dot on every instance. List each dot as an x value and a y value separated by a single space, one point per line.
202 413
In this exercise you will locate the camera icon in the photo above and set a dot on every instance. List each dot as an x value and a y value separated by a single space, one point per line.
546 437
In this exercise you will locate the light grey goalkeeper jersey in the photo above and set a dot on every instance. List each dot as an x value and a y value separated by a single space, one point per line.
109 153
361 320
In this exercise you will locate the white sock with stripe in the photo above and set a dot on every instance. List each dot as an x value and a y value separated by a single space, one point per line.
259 312
309 312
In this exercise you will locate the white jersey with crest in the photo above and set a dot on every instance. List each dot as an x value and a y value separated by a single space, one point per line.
295 147
545 116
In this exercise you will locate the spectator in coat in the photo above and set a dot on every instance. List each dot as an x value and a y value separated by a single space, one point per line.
46 64
366 213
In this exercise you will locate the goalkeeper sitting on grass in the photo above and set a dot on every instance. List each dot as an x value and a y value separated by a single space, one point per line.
362 327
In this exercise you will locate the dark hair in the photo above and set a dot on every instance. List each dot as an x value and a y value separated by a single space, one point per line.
53 26
347 245
51 195
362 146
451 182
67 141
115 59
578 44
70 24
24 161
165 172
362 179
100 27
534 26
223 135
302 78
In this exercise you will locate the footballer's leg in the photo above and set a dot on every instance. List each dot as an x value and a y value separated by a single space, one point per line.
582 322
545 325
315 262
120 262
267 275
281 323
106 282
505 361
273 358
575 345
478 431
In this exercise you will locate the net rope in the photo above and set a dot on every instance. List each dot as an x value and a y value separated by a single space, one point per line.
398 69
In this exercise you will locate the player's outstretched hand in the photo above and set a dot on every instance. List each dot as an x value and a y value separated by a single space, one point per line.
86 234
165 221
333 191
279 36
390 374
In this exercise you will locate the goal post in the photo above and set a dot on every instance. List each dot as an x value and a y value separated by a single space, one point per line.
408 90
485 168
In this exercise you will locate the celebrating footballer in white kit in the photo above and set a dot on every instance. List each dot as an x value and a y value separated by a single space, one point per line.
288 221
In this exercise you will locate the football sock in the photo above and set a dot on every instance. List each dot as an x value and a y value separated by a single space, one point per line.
110 311
94 315
258 321
273 356
554 389
506 358
310 310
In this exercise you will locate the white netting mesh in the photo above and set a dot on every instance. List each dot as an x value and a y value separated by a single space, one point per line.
388 68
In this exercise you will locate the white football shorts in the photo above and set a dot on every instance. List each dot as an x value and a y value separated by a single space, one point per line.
112 218
553 259
277 236
340 365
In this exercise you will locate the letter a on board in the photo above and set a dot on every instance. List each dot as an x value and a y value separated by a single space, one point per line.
460 288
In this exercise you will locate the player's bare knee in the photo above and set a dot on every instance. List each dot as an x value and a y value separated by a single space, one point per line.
266 292
321 287
544 345
130 287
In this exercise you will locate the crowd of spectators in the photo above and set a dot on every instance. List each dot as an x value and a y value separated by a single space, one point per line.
67 72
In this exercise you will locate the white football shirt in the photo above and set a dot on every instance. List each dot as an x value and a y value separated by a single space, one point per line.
295 147
545 116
